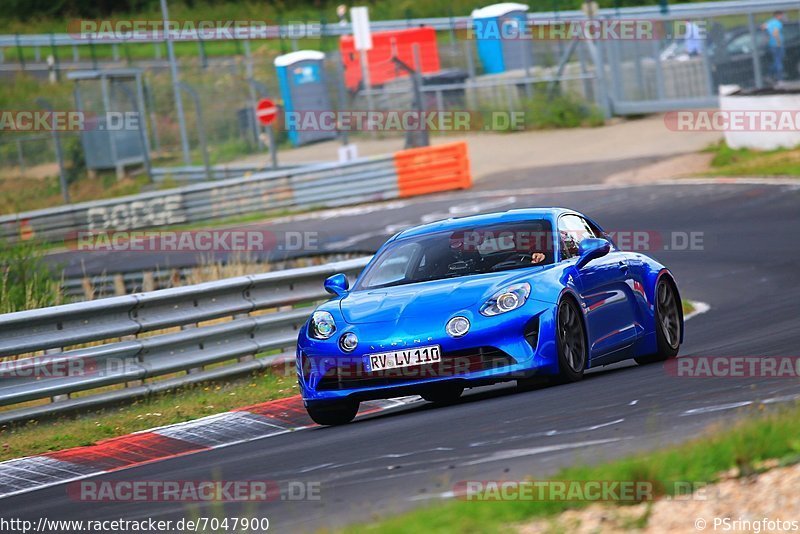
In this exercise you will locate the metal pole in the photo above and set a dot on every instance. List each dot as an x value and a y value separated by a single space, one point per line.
176 89
273 147
201 132
341 90
599 68
62 173
365 79
527 47
658 69
140 111
470 60
417 83
248 66
759 78
106 108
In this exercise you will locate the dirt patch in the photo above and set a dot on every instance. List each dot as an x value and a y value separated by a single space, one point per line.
771 495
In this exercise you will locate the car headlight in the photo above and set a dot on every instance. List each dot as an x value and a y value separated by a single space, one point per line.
457 326
348 342
506 300
322 325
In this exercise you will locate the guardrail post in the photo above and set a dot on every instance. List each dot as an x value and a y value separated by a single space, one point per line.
20 55
62 397
54 53
193 370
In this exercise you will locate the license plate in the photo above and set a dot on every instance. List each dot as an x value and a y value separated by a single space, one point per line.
404 358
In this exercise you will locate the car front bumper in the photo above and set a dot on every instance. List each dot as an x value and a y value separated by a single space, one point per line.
514 345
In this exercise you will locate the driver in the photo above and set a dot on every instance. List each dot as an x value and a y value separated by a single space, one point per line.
538 240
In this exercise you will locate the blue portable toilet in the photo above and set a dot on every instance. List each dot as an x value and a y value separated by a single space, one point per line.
490 24
301 78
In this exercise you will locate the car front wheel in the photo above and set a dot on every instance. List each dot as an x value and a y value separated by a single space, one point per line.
572 348
667 324
443 394
332 413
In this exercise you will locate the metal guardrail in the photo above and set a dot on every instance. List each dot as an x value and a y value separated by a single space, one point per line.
196 173
322 185
287 31
58 351
105 285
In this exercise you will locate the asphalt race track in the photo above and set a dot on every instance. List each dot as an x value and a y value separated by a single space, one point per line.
746 270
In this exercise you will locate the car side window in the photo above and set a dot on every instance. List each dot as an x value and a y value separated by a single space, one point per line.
572 230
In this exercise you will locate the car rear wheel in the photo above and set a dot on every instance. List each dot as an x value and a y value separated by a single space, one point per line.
667 324
444 394
332 413
572 350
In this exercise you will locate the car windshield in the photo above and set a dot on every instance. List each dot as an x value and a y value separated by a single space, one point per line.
462 252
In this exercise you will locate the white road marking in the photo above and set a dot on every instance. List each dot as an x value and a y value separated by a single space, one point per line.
717 408
519 453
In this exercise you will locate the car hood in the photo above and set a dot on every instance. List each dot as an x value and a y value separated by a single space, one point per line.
425 299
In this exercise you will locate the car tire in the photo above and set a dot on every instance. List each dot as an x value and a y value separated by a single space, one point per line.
667 324
332 413
570 342
444 394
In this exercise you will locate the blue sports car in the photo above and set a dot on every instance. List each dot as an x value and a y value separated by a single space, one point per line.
469 301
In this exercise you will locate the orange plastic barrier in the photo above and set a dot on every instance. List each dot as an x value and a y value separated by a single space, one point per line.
432 169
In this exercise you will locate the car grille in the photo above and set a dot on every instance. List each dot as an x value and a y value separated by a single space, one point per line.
352 375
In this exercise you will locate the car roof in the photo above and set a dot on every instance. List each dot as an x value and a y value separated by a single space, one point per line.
456 223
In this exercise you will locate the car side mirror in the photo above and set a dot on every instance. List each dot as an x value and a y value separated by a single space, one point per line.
337 284
590 249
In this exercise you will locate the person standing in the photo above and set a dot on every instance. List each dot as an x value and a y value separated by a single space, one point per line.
694 39
774 27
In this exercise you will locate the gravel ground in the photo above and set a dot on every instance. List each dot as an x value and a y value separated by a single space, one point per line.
747 504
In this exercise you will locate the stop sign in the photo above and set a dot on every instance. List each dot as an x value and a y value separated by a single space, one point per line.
266 111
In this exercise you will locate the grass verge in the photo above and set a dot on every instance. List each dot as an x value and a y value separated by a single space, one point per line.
183 405
728 161
745 446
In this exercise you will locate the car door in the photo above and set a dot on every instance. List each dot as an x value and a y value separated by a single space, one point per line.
605 290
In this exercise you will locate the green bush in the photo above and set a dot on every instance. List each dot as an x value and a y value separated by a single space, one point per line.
561 111
26 282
